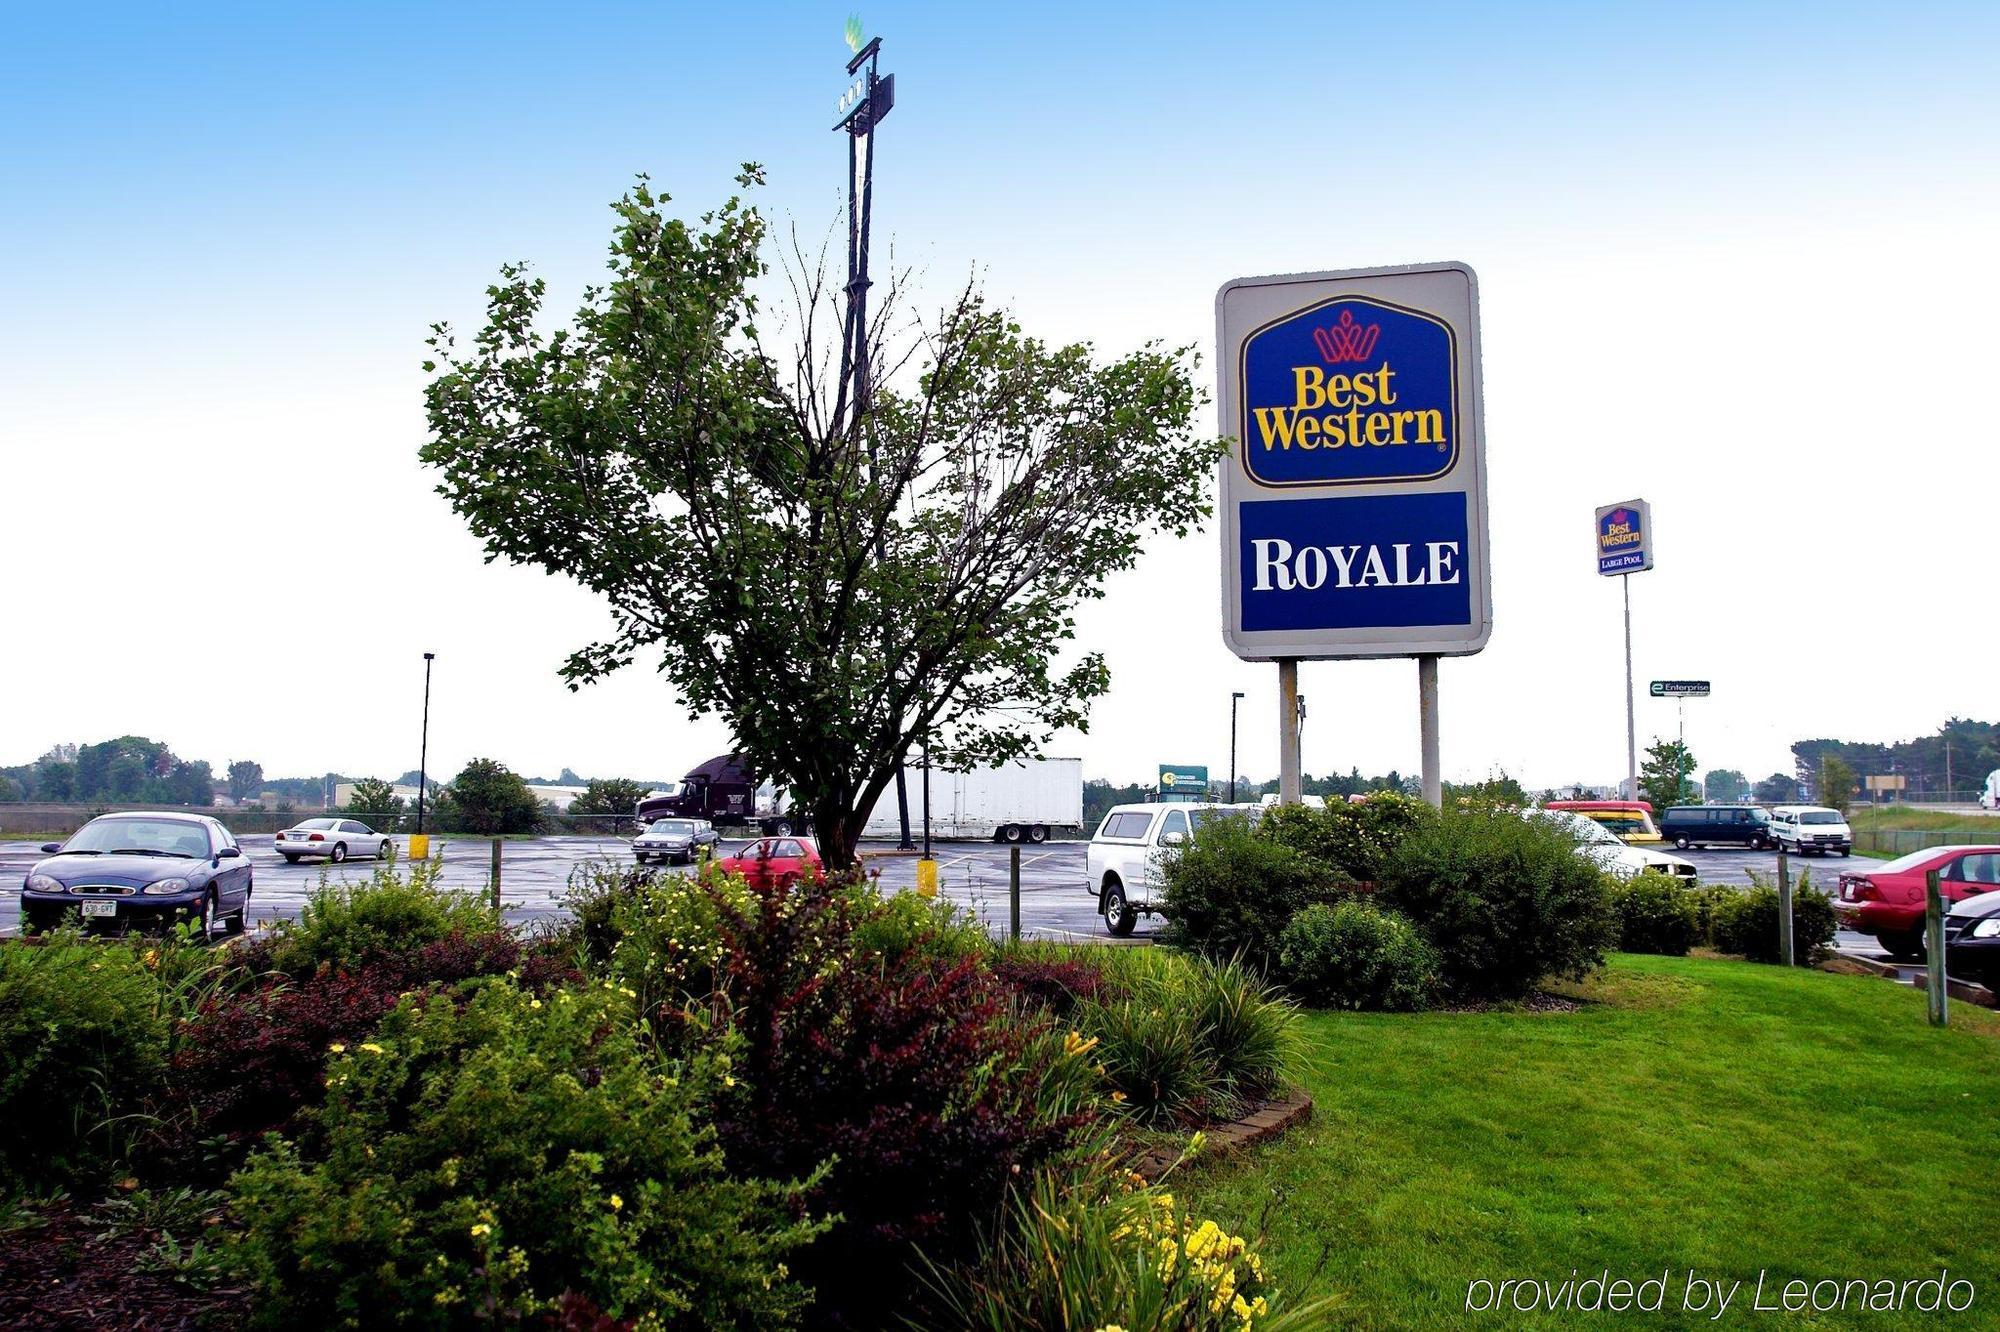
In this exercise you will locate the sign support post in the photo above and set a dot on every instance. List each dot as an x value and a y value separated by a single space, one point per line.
1624 539
1427 728
1288 731
1631 708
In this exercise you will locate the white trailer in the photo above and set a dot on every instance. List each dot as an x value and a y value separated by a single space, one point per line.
1014 803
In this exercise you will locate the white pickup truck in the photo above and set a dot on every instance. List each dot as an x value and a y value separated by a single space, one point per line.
1123 861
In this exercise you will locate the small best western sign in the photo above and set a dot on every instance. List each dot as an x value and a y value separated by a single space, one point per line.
1625 537
1353 502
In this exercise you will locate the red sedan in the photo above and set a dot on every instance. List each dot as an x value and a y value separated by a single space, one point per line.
1888 901
775 860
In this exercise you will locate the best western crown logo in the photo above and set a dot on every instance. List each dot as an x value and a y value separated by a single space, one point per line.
1621 528
1393 416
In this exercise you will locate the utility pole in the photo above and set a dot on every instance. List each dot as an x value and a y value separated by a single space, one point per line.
424 748
1234 699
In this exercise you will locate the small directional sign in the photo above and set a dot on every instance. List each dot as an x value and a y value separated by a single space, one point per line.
1680 689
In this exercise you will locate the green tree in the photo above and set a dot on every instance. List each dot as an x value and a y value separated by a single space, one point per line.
488 798
376 801
1836 783
1667 776
1778 788
609 795
246 779
836 580
1498 788
1723 784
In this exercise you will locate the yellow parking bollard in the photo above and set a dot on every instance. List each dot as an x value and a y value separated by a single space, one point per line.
926 878
420 846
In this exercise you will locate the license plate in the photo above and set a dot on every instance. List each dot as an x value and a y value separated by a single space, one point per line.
100 908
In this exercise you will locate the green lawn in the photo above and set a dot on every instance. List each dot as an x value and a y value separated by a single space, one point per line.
1713 1115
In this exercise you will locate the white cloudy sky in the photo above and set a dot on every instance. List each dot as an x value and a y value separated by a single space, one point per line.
1736 263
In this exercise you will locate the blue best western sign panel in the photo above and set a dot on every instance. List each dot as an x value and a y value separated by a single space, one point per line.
1353 500
1625 537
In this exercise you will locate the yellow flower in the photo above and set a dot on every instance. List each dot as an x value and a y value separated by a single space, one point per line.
152 956
728 1079
1111 1327
1118 1098
337 1048
534 1003
1074 1044
371 1047
617 1203
481 1231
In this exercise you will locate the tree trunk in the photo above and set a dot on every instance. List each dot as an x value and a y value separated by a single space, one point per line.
839 828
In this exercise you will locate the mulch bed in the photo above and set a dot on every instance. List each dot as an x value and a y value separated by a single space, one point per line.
65 1274
1537 1002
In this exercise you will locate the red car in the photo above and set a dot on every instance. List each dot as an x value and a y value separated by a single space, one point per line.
775 860
1888 901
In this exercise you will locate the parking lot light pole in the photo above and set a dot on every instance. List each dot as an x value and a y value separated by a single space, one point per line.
424 748
1234 699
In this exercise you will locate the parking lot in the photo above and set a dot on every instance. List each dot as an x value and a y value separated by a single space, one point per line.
536 872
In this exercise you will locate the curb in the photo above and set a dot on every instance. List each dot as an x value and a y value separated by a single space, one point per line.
1265 1122
1966 992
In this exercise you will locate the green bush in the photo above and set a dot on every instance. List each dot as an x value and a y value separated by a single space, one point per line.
1748 924
905 924
472 1164
667 936
1355 955
1184 1039
1656 915
1708 901
1354 838
82 1040
1504 900
390 915
487 797
1229 891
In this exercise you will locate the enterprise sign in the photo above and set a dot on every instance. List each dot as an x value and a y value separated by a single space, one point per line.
1353 499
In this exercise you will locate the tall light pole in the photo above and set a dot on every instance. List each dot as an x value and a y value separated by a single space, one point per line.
1234 699
867 100
424 749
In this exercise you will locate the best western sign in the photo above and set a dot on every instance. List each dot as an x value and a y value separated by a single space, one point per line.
1625 537
1354 499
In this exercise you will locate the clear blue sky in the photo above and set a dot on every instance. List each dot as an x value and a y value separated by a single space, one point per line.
224 229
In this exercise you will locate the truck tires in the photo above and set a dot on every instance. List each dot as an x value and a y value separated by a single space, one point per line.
1038 834
1010 832
1119 917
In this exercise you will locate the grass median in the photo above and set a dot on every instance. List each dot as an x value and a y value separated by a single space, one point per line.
1713 1116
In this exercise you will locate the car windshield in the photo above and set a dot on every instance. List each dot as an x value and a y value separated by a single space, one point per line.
150 837
674 827
318 825
1820 816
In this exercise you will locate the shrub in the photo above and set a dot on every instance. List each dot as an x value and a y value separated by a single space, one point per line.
913 1075
901 924
389 916
668 945
1504 900
1709 900
81 1041
1230 890
1353 838
1748 924
1355 955
487 797
473 1164
1186 1040
1655 915
1050 977
1133 1261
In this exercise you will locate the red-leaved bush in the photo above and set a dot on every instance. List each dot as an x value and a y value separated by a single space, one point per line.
909 1073
1057 984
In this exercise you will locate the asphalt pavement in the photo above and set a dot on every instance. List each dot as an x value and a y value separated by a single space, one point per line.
535 873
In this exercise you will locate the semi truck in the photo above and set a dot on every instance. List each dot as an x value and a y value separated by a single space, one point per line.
1016 802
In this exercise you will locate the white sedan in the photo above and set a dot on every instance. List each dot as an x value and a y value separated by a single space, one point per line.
1611 852
336 839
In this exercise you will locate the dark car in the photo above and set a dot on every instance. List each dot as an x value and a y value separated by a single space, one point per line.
1888 900
1972 940
675 839
122 871
1717 825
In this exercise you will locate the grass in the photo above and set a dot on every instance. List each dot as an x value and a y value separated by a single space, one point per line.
1693 1114
1914 818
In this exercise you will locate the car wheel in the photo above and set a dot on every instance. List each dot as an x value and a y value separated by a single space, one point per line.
1119 917
1011 833
384 851
1902 947
641 859
1038 834
782 828
205 922
1680 843
1846 851
290 859
339 852
238 920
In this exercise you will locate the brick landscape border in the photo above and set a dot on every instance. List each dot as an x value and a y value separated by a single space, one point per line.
1267 1121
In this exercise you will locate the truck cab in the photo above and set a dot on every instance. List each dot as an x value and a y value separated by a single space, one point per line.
723 790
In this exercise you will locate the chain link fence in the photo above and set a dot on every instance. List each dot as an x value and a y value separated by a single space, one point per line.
53 822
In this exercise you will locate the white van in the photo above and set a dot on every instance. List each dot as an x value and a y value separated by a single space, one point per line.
1123 860
1989 795
1802 829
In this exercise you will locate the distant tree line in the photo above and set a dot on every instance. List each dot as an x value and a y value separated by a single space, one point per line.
1956 758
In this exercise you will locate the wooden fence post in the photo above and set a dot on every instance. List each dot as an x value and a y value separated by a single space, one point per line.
1785 911
1014 892
496 877
1934 949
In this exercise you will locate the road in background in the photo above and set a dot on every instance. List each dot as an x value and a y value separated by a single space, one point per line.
535 873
